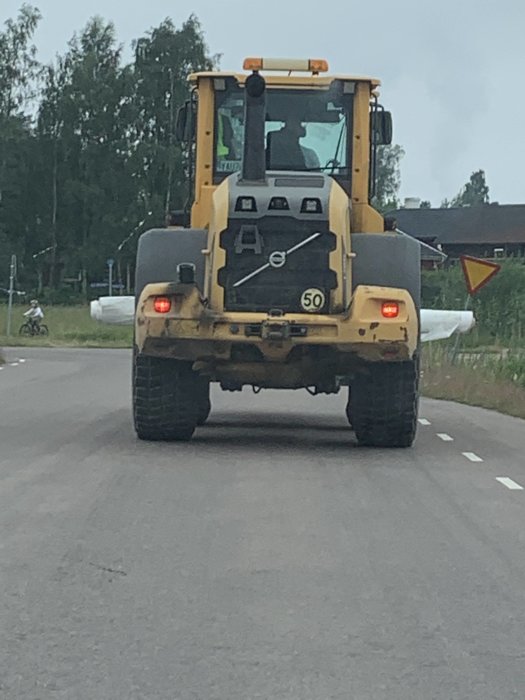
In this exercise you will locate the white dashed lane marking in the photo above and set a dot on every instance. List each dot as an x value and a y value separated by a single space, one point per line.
424 421
445 437
14 364
512 485
472 456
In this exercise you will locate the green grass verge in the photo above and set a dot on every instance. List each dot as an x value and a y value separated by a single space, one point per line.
488 380
69 326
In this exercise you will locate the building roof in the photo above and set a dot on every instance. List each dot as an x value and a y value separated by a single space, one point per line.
484 224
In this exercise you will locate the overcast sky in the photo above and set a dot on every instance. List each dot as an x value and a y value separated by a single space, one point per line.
452 71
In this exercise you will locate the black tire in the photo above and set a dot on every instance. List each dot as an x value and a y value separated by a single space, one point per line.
44 330
25 329
387 260
384 404
164 398
204 403
350 408
160 251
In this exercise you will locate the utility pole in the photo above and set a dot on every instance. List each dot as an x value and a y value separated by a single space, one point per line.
110 262
12 275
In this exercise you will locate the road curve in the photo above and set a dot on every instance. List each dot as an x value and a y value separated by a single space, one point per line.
269 558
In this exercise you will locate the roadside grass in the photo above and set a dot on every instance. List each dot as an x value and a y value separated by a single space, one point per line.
487 378
69 326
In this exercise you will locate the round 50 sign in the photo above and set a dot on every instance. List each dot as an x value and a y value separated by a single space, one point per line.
313 300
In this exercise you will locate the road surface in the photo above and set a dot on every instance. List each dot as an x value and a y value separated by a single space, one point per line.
269 558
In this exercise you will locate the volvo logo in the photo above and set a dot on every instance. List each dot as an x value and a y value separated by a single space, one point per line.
277 259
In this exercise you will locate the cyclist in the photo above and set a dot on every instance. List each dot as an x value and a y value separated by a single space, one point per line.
34 314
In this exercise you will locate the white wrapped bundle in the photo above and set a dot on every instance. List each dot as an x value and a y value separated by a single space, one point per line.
114 310
437 324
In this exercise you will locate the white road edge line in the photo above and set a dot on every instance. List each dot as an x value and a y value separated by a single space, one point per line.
512 485
445 437
472 456
424 421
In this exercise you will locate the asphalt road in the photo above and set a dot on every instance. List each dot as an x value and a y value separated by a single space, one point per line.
269 558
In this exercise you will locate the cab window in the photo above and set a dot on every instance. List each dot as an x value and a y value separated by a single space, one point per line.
306 130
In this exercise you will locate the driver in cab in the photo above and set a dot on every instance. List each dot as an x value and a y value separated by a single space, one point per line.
284 152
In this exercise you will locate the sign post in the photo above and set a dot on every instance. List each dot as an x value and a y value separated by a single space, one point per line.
12 275
478 273
110 262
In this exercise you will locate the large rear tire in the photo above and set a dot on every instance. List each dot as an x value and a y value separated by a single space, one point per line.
204 403
384 406
164 399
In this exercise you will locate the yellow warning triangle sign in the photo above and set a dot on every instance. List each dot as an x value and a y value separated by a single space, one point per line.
478 272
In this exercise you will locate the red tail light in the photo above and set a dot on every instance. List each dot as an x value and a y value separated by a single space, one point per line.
390 309
162 305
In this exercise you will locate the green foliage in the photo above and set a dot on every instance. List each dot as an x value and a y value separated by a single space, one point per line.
68 325
18 65
475 192
388 178
96 154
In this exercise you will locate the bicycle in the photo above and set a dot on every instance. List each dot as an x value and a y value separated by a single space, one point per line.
30 328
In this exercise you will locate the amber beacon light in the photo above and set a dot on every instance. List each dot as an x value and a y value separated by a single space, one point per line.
307 65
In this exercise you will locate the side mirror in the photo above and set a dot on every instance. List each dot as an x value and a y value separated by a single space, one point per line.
178 218
184 124
381 128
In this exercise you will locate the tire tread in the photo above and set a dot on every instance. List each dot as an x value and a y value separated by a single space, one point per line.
385 405
164 406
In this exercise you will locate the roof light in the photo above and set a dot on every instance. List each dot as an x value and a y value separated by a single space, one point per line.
318 65
245 204
252 64
279 203
162 305
312 65
311 205
390 309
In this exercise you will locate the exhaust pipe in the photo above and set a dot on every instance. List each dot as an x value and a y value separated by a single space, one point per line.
254 156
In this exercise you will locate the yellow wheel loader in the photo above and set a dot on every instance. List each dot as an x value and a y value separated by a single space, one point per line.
282 275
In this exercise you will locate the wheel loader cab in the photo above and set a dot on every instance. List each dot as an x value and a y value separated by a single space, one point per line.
313 123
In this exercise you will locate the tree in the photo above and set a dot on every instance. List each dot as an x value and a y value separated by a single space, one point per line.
425 204
163 59
18 73
475 192
83 129
18 64
388 178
